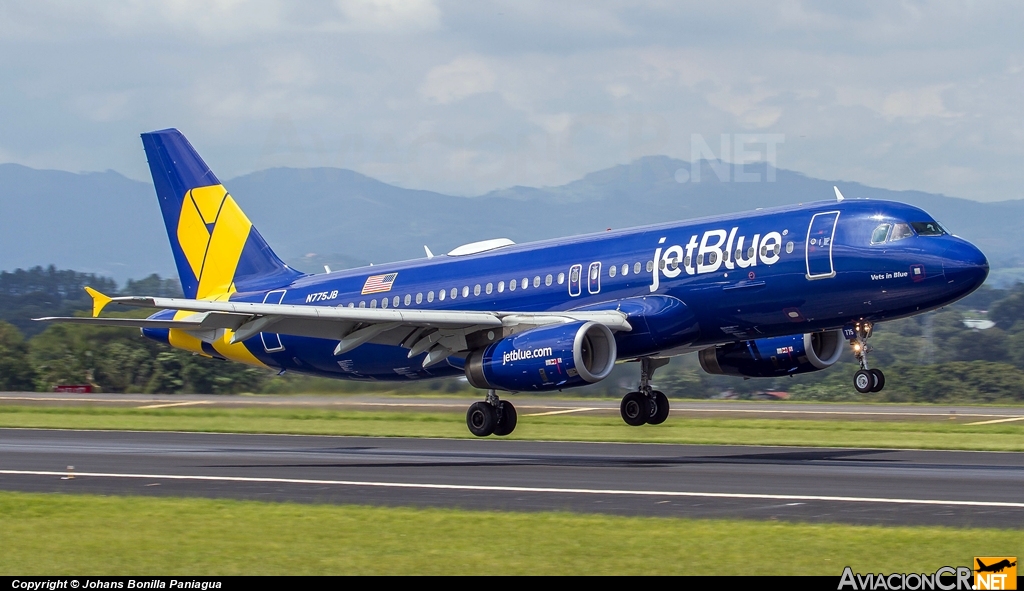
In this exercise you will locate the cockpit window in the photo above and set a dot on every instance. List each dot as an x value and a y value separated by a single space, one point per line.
878 236
928 228
900 231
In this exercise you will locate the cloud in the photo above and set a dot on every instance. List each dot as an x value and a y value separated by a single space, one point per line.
458 79
520 91
388 15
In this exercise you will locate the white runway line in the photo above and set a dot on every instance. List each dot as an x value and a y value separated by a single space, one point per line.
561 412
175 404
997 421
525 489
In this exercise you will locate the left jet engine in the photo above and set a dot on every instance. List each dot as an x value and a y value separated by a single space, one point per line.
545 358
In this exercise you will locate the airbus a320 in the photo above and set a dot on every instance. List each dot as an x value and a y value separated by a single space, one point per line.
769 293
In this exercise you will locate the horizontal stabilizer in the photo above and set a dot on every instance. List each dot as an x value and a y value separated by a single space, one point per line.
123 322
99 301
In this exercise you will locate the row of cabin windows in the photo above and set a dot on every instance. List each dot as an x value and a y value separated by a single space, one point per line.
443 294
549 279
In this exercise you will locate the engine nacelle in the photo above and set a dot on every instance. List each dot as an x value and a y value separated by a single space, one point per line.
774 357
545 358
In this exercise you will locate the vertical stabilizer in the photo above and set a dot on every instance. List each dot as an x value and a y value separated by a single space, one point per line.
216 248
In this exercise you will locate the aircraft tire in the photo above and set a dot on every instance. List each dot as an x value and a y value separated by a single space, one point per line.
660 410
481 419
635 409
863 381
879 380
507 424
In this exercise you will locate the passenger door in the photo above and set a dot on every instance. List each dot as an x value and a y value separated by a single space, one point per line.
818 248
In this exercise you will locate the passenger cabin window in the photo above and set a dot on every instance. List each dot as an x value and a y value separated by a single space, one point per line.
612 270
900 231
636 269
561 278
880 233
501 286
928 228
625 270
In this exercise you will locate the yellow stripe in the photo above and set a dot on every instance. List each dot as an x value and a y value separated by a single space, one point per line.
182 340
226 244
237 352
213 258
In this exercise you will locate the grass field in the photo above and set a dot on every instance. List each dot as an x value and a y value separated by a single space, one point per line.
931 434
52 534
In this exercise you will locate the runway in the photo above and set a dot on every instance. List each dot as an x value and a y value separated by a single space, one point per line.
862 486
531 406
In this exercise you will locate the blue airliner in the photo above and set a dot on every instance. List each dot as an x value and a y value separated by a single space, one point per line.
767 293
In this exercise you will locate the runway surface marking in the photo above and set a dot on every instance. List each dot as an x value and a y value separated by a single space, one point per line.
175 404
561 412
998 421
526 489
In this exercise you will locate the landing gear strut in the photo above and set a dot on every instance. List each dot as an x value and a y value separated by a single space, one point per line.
865 380
491 416
645 406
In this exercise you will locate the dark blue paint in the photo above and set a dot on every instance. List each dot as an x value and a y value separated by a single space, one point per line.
871 282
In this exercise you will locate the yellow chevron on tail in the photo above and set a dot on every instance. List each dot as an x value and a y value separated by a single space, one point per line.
212 231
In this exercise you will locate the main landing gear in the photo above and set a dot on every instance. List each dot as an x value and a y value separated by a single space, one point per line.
491 417
865 380
645 406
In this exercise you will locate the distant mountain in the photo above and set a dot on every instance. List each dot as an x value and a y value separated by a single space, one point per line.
107 224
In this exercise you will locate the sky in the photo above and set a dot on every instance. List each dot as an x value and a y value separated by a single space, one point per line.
468 97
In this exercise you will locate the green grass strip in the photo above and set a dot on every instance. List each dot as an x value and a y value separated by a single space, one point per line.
920 434
54 534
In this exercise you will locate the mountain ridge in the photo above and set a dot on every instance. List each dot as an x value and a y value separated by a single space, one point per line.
342 218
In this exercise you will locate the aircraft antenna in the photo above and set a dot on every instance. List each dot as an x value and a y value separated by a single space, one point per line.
430 255
839 196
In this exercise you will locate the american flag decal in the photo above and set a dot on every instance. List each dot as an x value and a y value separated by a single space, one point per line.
379 283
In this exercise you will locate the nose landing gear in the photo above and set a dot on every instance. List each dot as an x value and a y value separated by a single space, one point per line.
865 380
645 406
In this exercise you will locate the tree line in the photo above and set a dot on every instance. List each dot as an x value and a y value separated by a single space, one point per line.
934 357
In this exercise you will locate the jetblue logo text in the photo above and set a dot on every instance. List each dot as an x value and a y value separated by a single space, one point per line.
716 249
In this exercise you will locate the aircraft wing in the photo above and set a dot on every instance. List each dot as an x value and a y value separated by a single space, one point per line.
439 333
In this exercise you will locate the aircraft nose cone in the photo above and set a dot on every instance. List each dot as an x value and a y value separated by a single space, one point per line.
965 266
